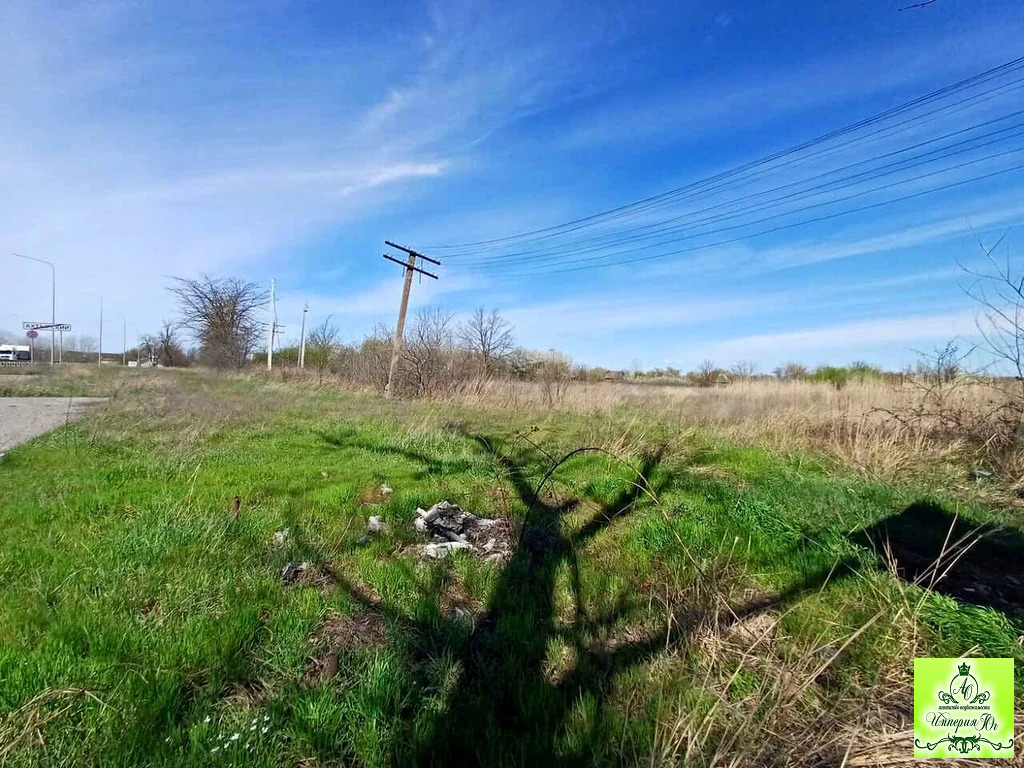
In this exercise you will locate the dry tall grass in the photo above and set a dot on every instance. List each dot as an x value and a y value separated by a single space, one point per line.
880 428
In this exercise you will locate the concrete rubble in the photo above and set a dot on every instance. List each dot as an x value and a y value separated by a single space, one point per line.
451 529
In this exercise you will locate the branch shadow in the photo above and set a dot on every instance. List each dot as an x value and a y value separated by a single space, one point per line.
507 707
977 564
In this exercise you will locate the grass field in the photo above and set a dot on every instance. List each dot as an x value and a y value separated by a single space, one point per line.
682 596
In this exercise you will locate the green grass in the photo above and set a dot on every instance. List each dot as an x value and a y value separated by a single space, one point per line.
122 574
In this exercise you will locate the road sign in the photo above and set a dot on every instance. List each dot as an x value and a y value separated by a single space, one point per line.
46 326
33 334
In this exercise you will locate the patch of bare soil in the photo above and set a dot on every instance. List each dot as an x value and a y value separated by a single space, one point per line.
304 574
375 495
457 603
338 634
247 696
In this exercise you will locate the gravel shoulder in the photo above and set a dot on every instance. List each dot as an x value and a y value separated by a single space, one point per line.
22 418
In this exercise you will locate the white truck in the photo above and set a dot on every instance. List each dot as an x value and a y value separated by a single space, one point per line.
12 353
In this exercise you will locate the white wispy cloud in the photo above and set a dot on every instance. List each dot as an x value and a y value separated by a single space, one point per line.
130 154
838 342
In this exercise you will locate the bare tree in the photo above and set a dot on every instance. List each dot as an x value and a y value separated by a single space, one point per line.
488 336
427 352
223 315
554 372
743 369
706 373
320 346
168 350
791 371
82 343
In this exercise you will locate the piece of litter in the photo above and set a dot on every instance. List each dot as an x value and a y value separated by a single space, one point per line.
293 571
280 538
374 524
385 488
451 528
442 549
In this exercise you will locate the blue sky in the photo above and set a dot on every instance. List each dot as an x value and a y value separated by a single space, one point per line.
288 140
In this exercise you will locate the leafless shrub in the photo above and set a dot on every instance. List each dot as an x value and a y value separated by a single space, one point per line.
743 369
488 337
373 358
222 314
428 353
791 372
704 376
163 346
321 346
553 373
999 292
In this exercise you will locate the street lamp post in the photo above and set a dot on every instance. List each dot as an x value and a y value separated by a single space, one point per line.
53 298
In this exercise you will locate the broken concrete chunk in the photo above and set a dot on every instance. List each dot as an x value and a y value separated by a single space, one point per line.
439 550
374 524
280 538
385 489
446 523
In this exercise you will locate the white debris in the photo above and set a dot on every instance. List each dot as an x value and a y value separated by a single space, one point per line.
386 489
374 524
452 529
439 550
280 538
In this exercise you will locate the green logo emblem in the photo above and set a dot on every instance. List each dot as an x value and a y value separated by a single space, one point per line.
963 707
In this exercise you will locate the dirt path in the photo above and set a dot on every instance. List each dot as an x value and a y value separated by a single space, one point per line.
22 418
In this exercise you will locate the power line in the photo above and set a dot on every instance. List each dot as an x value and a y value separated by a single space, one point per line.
990 74
658 229
746 179
783 227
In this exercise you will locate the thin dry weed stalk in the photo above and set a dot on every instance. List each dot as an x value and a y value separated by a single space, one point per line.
25 724
789 716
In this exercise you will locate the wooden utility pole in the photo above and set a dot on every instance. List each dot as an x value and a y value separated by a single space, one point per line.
410 267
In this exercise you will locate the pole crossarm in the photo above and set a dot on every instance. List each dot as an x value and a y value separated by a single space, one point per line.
411 252
414 269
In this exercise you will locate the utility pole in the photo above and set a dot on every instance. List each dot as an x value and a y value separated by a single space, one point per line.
274 327
410 267
124 341
302 337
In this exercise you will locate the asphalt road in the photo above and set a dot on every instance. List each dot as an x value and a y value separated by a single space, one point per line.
22 418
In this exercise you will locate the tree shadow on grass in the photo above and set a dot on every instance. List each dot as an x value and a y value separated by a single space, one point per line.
508 706
978 564
432 465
